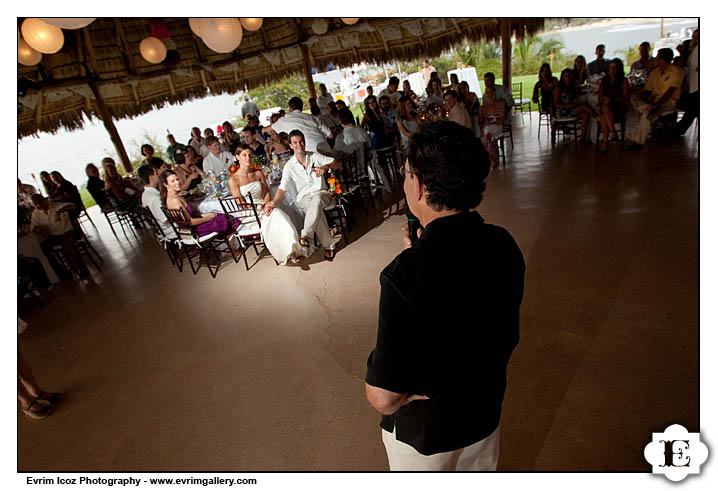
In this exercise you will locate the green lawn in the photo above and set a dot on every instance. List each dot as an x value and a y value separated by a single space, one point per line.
87 198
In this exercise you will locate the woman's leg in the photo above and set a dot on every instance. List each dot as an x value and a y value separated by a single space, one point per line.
26 379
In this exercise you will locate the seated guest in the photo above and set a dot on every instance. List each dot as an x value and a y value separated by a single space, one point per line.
580 70
646 62
173 147
612 101
33 268
306 171
453 83
149 152
229 140
278 232
683 51
331 117
52 226
340 104
315 132
457 112
599 65
204 223
406 86
25 193
388 114
151 198
407 121
692 100
190 174
373 121
217 161
471 102
95 185
68 193
47 183
545 86
191 158
369 91
391 91
436 96
565 102
122 189
351 139
273 119
278 145
259 130
492 115
27 189
250 140
197 142
502 93
324 99
659 97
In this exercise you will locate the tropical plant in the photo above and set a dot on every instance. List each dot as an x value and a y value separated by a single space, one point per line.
630 55
278 93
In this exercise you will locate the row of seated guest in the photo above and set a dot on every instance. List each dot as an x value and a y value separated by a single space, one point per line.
60 189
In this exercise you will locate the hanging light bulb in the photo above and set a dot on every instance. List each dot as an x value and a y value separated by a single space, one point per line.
320 26
194 24
69 22
251 23
41 36
222 35
153 50
350 21
26 55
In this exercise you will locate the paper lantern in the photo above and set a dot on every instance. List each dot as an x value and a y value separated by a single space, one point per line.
251 23
41 36
69 22
153 50
350 21
194 24
221 35
26 55
320 26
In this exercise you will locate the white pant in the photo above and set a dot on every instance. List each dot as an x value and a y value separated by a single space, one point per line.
481 456
641 130
312 205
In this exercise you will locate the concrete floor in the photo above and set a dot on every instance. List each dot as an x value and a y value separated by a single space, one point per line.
263 370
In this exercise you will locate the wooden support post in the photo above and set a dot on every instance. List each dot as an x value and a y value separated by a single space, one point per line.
506 52
90 49
308 70
109 125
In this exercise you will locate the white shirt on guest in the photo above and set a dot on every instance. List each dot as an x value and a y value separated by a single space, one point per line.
305 180
692 68
352 138
55 221
315 132
217 164
323 102
459 114
152 200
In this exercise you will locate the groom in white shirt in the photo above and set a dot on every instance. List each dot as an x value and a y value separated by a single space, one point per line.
306 170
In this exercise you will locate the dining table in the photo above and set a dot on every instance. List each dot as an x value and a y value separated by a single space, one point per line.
29 246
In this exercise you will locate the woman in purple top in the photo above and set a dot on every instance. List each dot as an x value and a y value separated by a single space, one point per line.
204 223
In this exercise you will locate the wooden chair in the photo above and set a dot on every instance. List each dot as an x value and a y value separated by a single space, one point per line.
544 119
620 129
249 232
567 127
167 243
519 102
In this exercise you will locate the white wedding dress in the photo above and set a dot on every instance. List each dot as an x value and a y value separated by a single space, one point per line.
278 233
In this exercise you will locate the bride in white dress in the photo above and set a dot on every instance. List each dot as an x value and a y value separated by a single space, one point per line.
278 233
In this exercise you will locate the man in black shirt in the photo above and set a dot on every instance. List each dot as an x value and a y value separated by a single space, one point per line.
95 185
448 314
250 139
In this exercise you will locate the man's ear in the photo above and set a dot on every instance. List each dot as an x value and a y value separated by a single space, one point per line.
417 187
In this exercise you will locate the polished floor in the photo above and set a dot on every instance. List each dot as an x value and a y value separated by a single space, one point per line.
263 370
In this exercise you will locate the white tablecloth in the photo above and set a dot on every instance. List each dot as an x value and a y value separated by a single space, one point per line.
211 204
27 245
592 100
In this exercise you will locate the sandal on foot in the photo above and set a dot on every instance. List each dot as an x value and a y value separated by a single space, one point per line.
304 241
295 259
51 397
37 410
329 255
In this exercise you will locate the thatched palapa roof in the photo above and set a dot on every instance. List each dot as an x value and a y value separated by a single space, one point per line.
57 93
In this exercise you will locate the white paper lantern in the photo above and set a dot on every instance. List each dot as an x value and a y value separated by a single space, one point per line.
251 23
69 22
194 24
350 21
153 50
221 35
41 36
320 26
26 55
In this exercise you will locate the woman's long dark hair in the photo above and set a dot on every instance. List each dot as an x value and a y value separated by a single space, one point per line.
562 87
163 188
376 121
545 65
606 82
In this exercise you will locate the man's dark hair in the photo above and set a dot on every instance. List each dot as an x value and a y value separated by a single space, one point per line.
346 116
490 76
312 101
314 109
296 133
451 92
451 163
393 80
295 104
251 129
384 97
434 75
426 61
601 46
145 172
156 162
210 140
464 83
147 146
645 43
665 54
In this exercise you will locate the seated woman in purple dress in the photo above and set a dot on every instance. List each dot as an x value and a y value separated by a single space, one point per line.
204 223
